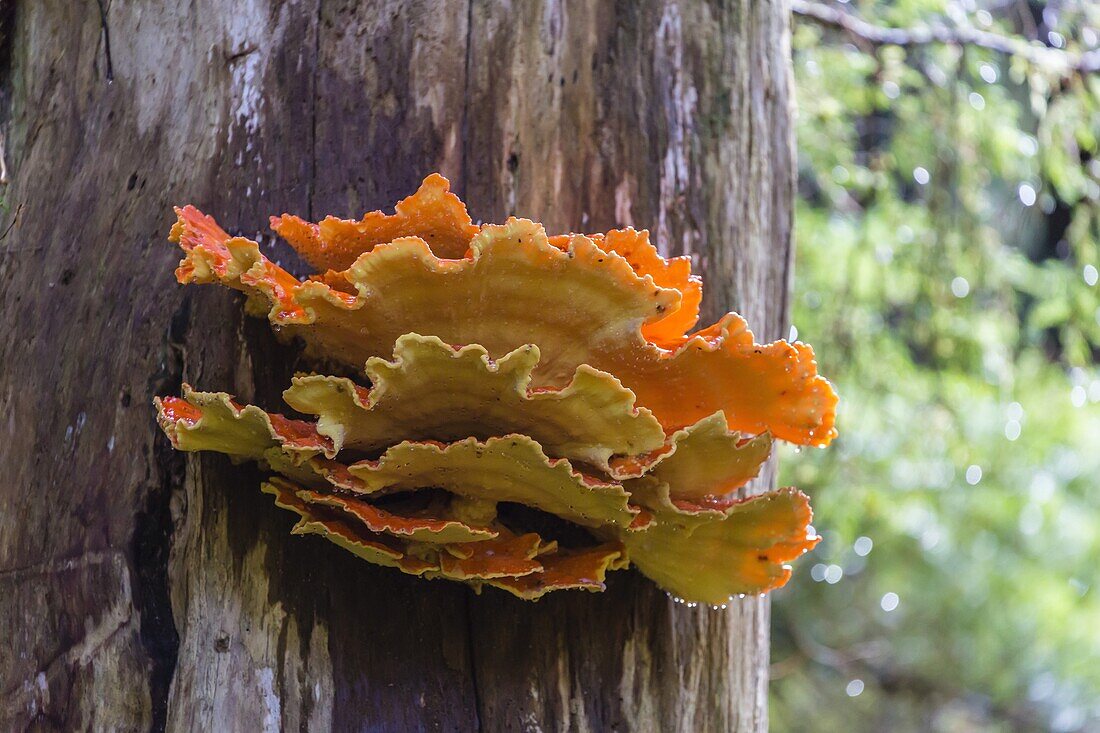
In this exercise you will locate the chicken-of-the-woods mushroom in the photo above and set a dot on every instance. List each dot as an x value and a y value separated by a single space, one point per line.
512 384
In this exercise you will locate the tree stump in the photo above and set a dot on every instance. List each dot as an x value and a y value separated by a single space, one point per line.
147 590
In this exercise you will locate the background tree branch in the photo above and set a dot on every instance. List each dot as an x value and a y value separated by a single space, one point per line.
1053 59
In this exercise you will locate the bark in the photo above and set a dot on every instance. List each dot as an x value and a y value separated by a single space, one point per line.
142 589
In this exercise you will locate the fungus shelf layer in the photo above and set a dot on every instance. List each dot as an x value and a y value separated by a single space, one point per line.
579 306
504 367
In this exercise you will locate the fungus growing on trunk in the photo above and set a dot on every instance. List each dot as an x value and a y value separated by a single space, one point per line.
503 367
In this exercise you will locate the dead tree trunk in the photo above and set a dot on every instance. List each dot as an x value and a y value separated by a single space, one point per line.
140 589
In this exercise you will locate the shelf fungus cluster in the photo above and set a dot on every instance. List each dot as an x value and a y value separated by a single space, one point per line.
532 411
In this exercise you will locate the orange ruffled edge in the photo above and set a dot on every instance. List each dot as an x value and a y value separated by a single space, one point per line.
440 218
433 213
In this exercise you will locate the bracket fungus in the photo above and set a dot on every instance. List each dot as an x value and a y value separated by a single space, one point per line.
531 411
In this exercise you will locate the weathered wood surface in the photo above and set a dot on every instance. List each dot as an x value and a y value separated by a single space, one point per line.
140 589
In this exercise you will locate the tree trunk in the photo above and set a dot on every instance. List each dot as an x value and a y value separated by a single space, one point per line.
142 589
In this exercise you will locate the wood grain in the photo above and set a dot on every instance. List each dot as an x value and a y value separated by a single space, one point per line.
145 590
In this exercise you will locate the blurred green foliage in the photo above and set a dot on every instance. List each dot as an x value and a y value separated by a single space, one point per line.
947 244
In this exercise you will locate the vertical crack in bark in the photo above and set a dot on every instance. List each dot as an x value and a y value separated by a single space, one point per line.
152 539
464 177
7 33
311 183
7 41
150 546
785 195
106 40
473 663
